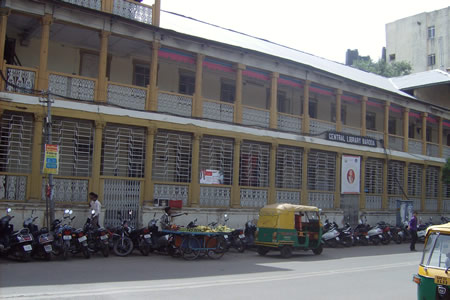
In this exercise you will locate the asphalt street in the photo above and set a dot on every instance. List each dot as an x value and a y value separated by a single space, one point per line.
372 272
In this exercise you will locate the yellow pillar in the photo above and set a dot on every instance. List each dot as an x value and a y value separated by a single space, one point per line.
337 192
4 13
338 110
107 6
305 125
405 129
102 66
384 203
198 101
97 157
363 115
405 179
156 13
362 195
440 136
151 102
238 96
424 189
46 21
194 194
304 196
424 133
273 101
236 191
440 196
272 172
36 177
387 104
148 188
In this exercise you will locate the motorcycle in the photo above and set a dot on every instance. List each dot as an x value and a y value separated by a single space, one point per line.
330 236
234 239
97 238
18 244
360 234
249 232
64 234
122 243
387 234
375 234
422 230
42 239
161 242
346 235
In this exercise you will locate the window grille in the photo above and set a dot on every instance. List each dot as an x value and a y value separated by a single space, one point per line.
172 154
374 176
321 171
289 167
254 164
76 146
432 179
396 174
216 153
445 190
123 151
16 142
415 173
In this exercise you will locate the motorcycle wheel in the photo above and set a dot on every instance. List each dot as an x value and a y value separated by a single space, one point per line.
145 249
386 239
398 239
375 240
262 251
348 241
65 253
318 250
123 247
240 247
48 256
26 257
286 252
364 241
86 252
105 251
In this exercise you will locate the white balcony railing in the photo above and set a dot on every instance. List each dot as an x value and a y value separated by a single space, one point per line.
133 11
254 116
396 142
176 104
71 86
414 146
20 80
218 111
93 4
433 149
289 123
319 127
127 96
351 130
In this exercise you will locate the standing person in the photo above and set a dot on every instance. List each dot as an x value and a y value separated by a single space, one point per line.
413 230
166 218
96 206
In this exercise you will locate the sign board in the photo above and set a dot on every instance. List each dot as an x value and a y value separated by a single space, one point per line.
351 139
211 177
350 174
51 159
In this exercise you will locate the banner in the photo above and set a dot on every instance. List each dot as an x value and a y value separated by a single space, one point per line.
211 177
351 174
51 159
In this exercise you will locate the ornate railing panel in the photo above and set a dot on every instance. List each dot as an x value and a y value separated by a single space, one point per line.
320 127
396 142
414 146
72 87
416 203
446 152
20 80
253 198
171 192
393 202
218 111
446 203
373 202
432 150
175 104
351 130
13 187
126 96
132 10
375 135
289 123
93 4
288 197
431 204
67 190
215 196
321 200
120 195
255 117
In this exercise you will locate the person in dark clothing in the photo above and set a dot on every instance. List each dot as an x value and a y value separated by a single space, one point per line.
413 230
166 218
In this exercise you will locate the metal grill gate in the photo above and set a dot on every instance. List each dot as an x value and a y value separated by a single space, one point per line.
396 174
254 166
374 176
121 195
415 172
321 171
350 206
289 167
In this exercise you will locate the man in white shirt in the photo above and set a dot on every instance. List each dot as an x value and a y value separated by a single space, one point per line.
96 206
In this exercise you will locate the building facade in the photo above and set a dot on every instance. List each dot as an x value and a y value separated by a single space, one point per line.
144 114
422 40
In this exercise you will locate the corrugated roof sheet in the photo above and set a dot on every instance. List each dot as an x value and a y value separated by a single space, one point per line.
422 79
193 27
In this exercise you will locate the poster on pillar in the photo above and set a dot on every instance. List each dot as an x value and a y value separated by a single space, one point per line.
351 174
211 177
51 159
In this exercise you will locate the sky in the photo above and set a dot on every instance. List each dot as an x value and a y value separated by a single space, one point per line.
325 28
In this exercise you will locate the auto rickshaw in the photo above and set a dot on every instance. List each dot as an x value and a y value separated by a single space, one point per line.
287 227
433 278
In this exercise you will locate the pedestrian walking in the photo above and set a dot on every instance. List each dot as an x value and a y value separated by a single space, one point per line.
413 230
96 207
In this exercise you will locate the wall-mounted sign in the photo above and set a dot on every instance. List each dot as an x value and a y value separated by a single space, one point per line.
351 139
51 159
211 177
351 174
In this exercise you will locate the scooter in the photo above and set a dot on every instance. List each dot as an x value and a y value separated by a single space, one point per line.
63 235
123 245
17 244
97 238
42 239
331 234
249 232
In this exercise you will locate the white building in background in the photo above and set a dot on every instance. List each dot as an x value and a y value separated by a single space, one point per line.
423 40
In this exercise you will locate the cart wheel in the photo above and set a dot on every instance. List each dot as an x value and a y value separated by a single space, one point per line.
318 250
216 247
190 248
286 251
262 251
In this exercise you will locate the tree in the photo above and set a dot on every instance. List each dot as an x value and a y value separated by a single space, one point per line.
382 68
446 172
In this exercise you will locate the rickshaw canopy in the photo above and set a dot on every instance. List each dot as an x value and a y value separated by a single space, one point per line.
281 215
439 228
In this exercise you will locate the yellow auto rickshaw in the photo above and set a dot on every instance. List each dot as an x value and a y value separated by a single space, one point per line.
433 278
287 227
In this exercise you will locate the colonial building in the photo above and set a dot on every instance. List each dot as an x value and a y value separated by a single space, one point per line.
150 106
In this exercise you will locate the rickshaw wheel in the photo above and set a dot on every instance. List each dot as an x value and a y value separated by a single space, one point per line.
262 251
318 250
286 251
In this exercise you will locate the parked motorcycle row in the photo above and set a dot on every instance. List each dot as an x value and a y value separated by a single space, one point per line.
64 241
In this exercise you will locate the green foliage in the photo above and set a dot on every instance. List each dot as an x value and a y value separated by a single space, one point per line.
382 68
446 172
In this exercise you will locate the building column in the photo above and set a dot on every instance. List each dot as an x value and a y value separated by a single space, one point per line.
405 180
424 133
235 190
238 97
337 192
363 115
102 67
273 101
148 184
387 104
46 21
304 193
362 197
272 174
151 102
198 100
156 12
4 13
384 199
305 125
194 193
107 6
97 158
338 110
440 192
440 136
405 129
424 188
36 176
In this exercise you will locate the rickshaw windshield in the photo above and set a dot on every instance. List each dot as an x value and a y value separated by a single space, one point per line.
436 253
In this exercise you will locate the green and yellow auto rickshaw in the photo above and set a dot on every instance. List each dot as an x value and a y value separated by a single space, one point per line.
288 227
433 278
